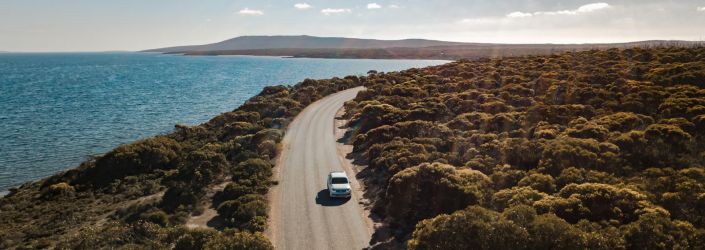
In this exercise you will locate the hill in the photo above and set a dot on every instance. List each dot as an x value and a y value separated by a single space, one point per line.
336 47
302 42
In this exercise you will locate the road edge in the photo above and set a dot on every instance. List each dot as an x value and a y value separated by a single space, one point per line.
273 211
340 128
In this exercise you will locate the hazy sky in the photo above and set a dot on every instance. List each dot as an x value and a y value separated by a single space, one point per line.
99 25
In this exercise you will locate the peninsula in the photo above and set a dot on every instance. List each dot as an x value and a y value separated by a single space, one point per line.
340 47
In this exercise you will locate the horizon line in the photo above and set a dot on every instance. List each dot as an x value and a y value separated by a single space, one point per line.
363 38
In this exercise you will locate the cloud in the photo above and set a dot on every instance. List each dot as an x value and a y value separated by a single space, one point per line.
580 10
480 21
516 14
701 9
393 6
374 6
592 7
329 11
516 17
302 6
250 12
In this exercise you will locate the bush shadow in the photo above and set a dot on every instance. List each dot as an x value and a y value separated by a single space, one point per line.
216 223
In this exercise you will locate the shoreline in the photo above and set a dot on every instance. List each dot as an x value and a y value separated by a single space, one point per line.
446 60
97 189
46 163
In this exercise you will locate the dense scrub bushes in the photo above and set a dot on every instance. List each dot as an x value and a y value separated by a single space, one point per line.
138 195
471 228
594 149
145 235
428 189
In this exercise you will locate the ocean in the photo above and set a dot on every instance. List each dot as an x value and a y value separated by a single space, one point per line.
56 109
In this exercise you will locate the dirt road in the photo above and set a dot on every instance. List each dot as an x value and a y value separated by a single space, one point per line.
302 214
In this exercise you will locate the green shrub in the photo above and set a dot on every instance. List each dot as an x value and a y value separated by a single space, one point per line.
541 182
516 196
158 217
136 158
522 215
397 155
240 241
579 176
256 224
550 232
657 231
471 228
595 202
254 169
427 190
180 195
568 152
233 191
195 239
59 189
241 211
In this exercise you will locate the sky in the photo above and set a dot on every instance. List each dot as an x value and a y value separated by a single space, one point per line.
109 25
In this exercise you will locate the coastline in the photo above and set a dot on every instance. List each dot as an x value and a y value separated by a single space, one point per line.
39 146
152 179
287 56
127 184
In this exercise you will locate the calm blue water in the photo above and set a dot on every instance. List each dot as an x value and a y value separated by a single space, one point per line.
55 109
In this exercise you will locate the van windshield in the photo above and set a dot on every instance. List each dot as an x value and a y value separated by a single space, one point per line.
339 180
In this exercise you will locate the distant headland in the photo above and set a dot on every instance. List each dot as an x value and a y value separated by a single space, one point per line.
341 47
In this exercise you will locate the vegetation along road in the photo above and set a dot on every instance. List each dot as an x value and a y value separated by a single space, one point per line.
303 216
